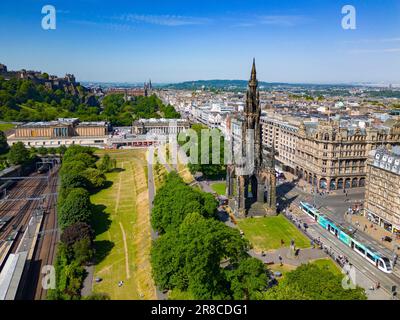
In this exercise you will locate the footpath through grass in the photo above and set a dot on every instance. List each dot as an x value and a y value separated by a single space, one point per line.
122 226
266 233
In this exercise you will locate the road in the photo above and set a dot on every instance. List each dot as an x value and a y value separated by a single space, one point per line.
365 269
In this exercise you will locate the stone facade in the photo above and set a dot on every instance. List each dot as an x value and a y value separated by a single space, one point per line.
159 126
61 132
382 197
326 154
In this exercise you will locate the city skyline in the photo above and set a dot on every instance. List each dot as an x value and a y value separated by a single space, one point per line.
176 41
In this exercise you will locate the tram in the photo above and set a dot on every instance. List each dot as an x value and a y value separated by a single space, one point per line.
348 238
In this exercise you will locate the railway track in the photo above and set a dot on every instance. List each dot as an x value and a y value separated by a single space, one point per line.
22 210
44 252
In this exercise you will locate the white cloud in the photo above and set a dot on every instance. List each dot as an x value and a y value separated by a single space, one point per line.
273 20
165 20
282 20
390 50
106 25
383 40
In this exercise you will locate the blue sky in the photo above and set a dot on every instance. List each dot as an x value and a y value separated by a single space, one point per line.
169 41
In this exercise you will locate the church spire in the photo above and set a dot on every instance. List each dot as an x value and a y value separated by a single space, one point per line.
253 70
253 77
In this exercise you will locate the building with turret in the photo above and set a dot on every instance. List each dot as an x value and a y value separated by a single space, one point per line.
328 154
382 194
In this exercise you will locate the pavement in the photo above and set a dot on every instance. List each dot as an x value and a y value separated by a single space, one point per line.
304 256
361 272
88 282
376 232
366 275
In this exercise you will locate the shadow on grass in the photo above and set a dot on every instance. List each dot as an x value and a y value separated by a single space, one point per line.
101 220
102 249
107 184
101 223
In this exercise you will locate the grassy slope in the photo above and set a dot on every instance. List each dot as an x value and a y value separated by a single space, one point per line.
122 209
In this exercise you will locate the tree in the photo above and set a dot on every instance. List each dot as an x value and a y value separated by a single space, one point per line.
248 280
175 200
76 232
211 170
310 282
75 208
74 150
61 150
107 164
74 179
3 142
95 177
189 258
88 159
42 151
83 251
18 154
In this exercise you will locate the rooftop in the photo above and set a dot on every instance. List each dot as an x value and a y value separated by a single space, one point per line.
387 160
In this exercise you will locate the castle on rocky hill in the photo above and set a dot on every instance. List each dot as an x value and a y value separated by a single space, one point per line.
67 83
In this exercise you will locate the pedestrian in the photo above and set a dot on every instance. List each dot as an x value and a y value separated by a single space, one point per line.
282 242
378 285
280 260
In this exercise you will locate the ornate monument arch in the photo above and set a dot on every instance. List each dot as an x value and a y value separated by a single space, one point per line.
251 185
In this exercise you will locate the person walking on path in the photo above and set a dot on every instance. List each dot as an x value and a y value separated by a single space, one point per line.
280 260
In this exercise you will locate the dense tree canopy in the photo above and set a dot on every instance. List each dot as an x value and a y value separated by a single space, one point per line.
107 164
76 232
75 208
311 282
95 178
175 200
3 142
196 252
121 112
190 258
248 280
23 100
18 154
210 169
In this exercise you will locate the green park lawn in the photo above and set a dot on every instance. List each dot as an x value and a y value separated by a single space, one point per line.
265 233
122 227
6 126
219 188
328 264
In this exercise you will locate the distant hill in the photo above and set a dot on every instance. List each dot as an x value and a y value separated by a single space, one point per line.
242 85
